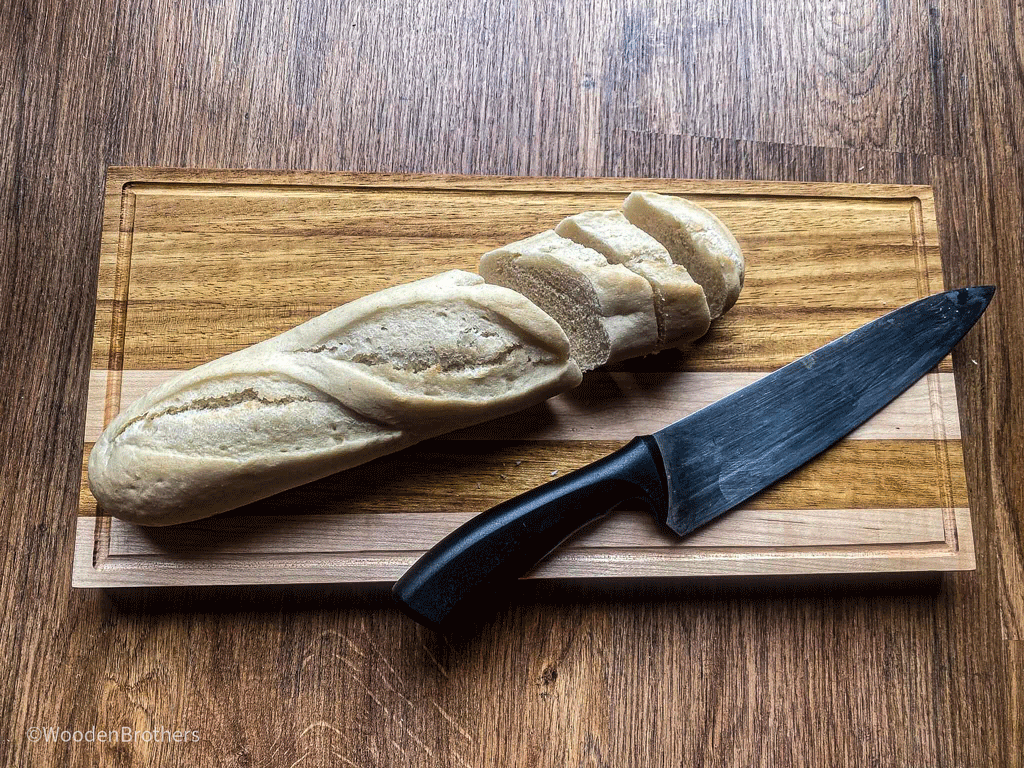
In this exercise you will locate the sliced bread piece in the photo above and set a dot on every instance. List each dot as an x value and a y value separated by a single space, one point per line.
606 310
679 303
695 238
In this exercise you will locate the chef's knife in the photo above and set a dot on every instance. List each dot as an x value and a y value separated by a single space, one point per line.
692 471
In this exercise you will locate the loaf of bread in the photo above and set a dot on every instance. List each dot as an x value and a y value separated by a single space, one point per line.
680 306
695 238
606 310
363 380
417 360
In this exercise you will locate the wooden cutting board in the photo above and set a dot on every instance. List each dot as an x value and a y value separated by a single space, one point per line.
196 264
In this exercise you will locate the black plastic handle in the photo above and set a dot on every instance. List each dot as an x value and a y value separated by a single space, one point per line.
503 543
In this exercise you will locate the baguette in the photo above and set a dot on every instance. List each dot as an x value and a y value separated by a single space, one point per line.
606 310
417 360
361 381
680 306
695 238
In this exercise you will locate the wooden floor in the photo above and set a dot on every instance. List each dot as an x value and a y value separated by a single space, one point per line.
901 91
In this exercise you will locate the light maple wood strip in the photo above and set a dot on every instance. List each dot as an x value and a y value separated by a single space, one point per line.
384 569
621 405
417 532
145 564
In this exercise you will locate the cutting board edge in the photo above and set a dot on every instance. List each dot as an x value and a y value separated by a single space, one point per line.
119 177
598 564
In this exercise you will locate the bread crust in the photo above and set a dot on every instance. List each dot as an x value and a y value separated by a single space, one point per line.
328 395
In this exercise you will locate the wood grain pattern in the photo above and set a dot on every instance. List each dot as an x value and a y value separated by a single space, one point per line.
616 405
276 255
924 92
202 263
1002 178
852 475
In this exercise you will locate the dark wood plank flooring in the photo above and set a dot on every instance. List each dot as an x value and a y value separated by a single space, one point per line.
910 91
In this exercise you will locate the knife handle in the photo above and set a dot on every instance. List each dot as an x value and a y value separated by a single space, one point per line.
503 543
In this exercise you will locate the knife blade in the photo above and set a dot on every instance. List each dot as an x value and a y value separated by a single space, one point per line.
700 467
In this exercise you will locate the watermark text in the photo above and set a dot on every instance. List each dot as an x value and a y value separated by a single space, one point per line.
51 734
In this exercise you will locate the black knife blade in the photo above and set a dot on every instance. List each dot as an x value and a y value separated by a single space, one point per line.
700 467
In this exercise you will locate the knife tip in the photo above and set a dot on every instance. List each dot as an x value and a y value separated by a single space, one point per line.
973 295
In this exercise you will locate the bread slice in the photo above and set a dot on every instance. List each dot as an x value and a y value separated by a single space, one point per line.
680 306
606 310
361 381
695 238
